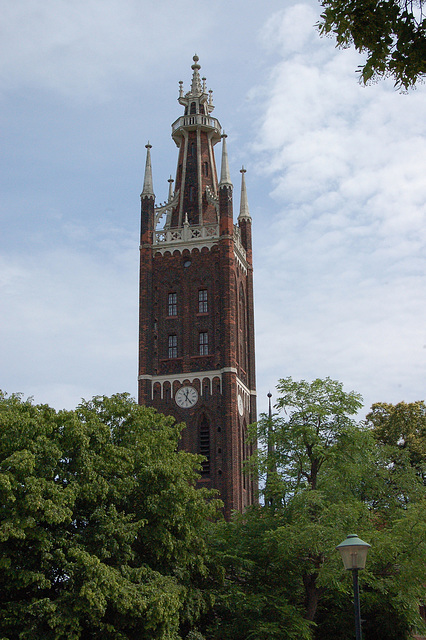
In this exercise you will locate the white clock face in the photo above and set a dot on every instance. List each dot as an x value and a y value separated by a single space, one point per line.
240 405
186 397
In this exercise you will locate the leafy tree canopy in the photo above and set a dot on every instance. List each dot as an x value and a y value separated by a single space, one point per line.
315 427
101 532
391 32
403 427
324 476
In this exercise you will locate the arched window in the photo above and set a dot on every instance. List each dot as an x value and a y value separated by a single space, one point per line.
193 108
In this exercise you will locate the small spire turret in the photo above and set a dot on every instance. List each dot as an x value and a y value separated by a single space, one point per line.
148 189
244 208
225 178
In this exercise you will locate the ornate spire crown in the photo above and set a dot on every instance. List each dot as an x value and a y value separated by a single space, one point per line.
198 88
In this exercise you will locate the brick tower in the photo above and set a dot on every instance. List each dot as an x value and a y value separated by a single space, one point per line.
196 331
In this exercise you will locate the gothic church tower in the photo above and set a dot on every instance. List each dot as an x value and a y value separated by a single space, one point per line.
196 331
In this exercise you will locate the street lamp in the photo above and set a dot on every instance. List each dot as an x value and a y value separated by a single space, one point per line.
354 554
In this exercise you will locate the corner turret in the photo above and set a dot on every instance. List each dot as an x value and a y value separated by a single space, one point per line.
244 218
147 201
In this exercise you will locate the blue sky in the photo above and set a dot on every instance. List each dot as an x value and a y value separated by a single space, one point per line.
336 178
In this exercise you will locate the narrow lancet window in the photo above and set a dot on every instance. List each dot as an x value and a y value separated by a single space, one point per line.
172 348
204 343
172 304
202 301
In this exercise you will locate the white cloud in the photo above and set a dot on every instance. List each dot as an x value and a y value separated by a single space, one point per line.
341 272
346 257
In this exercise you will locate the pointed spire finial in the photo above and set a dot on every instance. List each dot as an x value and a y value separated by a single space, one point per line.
148 189
170 181
196 88
244 208
225 178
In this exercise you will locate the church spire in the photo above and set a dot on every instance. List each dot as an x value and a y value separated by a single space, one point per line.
225 178
195 134
244 208
148 189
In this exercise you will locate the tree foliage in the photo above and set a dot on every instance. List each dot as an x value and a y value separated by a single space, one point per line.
313 431
325 476
104 535
403 427
392 33
101 524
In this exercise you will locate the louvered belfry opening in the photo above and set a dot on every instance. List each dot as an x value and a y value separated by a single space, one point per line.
204 443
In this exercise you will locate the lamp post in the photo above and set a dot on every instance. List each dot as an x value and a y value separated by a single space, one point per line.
354 554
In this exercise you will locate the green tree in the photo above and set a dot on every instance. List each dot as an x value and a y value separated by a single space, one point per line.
316 426
252 597
329 476
391 32
101 532
403 427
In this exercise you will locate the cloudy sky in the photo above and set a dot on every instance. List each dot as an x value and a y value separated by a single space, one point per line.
336 175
